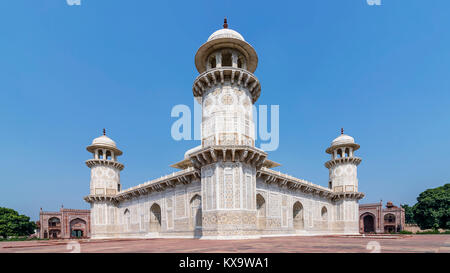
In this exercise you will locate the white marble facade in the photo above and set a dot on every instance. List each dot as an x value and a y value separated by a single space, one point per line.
226 187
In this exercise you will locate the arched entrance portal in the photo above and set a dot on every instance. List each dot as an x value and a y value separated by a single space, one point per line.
77 228
297 215
155 218
369 223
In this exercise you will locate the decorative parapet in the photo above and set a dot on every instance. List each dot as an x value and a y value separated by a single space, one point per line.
50 212
337 161
187 175
238 76
93 162
182 177
76 210
293 183
370 205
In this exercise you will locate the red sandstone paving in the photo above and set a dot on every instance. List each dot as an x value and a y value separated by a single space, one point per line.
316 244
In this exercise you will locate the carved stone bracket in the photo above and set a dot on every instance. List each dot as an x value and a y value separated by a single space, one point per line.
238 76
337 161
93 162
233 153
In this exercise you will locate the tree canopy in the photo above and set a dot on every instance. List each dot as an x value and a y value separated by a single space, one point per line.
13 224
432 209
409 214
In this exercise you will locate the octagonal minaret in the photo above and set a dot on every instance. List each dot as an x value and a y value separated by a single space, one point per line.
343 164
105 169
227 89
343 181
104 185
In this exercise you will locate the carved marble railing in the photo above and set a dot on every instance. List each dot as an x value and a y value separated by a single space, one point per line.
283 180
182 177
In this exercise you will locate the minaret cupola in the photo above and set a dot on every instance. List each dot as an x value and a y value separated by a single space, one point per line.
343 164
104 148
342 146
105 169
226 58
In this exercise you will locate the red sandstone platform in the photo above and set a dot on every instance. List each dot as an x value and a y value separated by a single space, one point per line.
316 244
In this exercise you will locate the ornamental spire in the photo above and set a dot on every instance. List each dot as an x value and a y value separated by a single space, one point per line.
342 131
225 25
104 132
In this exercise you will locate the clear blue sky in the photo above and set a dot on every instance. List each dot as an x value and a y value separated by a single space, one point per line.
66 72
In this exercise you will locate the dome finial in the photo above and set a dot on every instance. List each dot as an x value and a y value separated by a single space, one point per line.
104 131
342 131
225 25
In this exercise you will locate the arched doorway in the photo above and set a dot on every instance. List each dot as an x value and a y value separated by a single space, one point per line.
155 218
54 227
54 222
389 223
77 228
196 215
369 223
389 219
297 215
260 211
127 219
324 214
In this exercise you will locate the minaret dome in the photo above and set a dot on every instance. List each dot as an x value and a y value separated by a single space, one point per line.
226 47
104 147
342 146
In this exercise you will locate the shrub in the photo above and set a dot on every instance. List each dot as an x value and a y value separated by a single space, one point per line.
21 239
435 231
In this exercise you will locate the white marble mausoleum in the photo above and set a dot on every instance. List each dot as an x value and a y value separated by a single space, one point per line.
225 188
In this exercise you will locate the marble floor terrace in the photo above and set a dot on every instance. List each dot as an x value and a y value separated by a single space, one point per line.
315 244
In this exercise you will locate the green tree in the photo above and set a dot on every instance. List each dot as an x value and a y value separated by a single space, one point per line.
409 214
432 209
13 224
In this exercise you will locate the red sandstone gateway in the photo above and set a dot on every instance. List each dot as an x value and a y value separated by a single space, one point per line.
65 224
373 218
